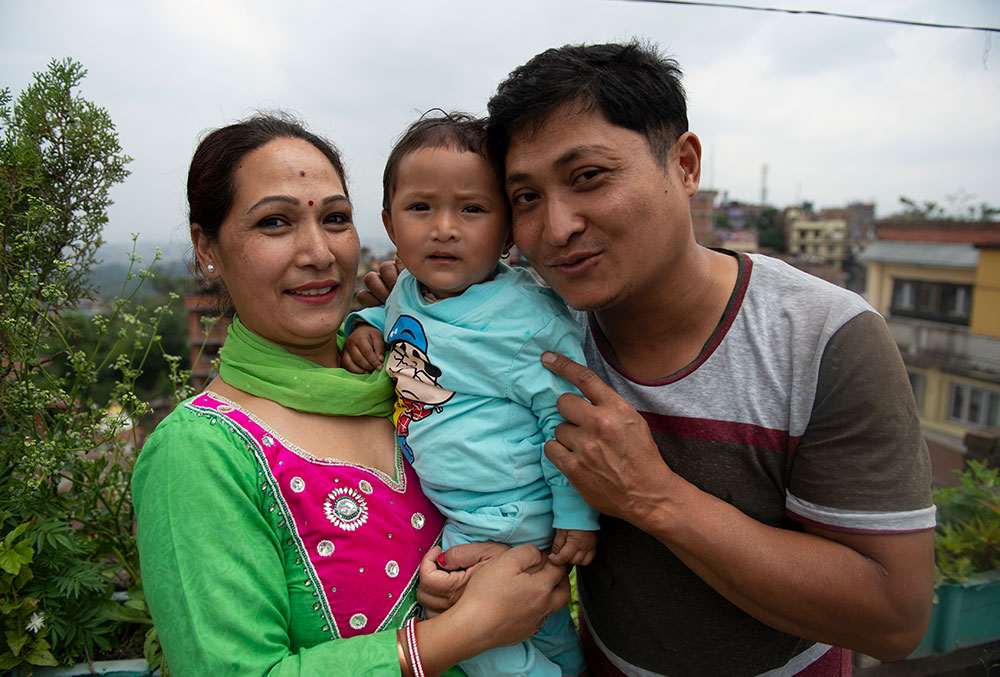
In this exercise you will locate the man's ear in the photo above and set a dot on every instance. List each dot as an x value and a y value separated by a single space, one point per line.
688 156
205 251
387 222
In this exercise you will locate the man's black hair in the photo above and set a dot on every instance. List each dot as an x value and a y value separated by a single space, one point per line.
631 85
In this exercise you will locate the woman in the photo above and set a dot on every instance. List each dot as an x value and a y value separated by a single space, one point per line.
279 528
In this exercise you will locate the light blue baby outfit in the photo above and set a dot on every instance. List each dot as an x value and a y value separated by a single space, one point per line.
475 407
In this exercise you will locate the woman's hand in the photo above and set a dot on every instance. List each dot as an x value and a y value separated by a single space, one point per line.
511 594
444 575
506 599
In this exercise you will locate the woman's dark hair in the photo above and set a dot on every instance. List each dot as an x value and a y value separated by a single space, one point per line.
211 184
435 129
631 85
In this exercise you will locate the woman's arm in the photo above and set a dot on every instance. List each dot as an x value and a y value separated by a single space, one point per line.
211 563
215 578
505 601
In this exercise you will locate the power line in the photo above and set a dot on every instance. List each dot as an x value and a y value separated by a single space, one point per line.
817 12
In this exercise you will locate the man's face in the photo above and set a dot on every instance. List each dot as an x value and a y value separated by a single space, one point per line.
595 213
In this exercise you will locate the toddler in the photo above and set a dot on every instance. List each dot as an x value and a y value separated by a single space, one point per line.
465 334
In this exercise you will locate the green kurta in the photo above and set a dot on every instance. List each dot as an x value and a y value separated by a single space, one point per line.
223 572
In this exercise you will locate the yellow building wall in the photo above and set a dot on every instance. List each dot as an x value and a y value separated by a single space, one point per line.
986 295
933 408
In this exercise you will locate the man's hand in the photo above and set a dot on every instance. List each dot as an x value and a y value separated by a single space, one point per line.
379 283
363 350
604 447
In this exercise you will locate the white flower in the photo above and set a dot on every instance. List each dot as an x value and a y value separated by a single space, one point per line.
36 622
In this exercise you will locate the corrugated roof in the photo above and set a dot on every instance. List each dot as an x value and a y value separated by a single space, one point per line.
922 254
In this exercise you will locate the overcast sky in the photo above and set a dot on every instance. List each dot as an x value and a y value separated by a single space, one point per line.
837 109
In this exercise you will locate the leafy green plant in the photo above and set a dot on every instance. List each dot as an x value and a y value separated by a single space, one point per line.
70 405
967 538
24 633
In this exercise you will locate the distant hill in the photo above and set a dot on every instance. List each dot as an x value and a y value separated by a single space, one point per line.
110 273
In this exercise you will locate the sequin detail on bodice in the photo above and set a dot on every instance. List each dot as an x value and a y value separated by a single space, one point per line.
360 533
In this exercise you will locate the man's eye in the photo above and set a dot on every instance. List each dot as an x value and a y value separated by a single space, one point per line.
524 198
587 175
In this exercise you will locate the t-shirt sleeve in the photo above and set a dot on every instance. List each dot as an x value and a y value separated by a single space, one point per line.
538 388
212 567
374 316
862 464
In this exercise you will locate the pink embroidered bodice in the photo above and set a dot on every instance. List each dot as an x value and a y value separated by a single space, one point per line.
359 532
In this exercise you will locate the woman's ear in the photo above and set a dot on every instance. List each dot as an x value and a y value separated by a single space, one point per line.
205 251
387 222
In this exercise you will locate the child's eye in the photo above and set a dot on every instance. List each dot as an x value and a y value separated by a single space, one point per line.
473 209
419 207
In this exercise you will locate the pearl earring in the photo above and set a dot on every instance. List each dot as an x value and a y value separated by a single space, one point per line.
210 268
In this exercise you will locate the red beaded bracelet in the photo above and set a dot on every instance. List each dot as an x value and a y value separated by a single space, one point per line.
411 643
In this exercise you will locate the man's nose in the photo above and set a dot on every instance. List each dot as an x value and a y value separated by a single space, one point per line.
562 221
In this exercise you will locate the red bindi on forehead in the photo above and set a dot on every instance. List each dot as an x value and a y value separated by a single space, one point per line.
310 203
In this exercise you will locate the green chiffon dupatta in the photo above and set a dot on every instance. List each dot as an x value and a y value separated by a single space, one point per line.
261 368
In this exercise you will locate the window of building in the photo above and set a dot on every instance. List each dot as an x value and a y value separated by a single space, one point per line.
917 382
956 301
974 406
903 295
939 301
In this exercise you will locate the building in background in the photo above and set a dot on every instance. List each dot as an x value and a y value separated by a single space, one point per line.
938 286
703 216
817 240
206 334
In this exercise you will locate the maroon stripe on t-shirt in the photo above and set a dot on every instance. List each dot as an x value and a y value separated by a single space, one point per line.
721 431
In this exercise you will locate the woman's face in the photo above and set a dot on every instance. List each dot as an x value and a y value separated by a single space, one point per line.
288 251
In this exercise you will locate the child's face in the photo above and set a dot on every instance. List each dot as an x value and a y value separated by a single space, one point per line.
448 220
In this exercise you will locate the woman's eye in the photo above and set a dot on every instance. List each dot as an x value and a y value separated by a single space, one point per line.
272 222
338 218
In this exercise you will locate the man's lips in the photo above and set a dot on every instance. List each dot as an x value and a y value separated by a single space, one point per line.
574 261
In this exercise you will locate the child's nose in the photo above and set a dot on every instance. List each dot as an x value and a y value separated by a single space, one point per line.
446 227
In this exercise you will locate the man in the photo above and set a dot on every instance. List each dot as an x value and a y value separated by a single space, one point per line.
747 431
756 455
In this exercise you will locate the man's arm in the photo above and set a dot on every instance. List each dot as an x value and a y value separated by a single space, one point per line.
379 283
871 593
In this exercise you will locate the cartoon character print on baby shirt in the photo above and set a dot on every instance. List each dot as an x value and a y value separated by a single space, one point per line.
418 394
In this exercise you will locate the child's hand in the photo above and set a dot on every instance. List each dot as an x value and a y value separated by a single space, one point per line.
364 350
572 546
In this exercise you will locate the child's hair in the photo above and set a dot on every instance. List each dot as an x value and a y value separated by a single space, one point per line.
436 129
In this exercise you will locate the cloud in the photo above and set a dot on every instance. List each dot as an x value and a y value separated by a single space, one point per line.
837 109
